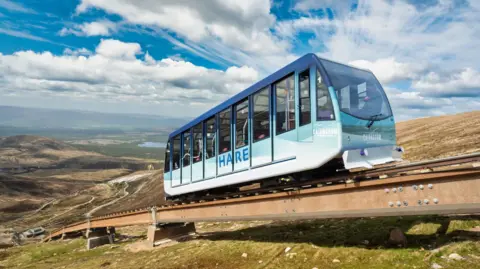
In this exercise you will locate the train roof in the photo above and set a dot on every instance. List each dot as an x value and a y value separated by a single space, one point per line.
301 63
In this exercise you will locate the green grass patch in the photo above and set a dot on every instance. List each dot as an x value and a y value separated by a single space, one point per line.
353 243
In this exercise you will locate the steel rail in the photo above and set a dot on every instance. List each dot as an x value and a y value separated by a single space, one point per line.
452 192
455 160
355 176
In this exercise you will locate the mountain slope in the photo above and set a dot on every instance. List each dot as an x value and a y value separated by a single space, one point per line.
438 137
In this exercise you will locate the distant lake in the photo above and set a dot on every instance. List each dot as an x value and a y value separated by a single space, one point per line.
152 145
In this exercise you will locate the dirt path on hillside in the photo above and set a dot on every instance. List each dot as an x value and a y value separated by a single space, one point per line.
48 221
125 194
126 180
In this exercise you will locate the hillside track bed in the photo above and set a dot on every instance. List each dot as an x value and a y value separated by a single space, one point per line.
444 186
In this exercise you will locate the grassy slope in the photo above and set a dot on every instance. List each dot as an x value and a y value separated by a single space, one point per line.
357 243
313 242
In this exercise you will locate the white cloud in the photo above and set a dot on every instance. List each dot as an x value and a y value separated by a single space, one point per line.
307 5
226 30
77 52
413 104
112 48
12 6
379 29
400 41
388 70
96 28
465 83
22 34
114 74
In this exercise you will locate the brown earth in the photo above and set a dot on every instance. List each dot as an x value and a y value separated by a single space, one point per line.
30 151
439 137
144 193
47 182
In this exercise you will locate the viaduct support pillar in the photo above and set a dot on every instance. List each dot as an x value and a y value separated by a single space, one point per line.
100 236
172 231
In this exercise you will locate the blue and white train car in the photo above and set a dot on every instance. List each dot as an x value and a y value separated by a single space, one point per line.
308 114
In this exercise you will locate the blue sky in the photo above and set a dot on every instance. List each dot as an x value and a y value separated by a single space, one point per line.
179 57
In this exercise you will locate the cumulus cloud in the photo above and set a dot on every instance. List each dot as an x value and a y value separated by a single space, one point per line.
112 48
114 73
234 31
96 28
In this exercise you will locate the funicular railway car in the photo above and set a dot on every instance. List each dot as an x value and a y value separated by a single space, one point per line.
307 119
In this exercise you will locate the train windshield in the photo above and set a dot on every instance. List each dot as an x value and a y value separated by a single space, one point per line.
358 92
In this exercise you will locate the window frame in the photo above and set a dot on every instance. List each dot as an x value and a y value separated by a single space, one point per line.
247 107
292 74
318 72
269 111
189 132
194 143
229 111
168 159
215 136
178 137
300 110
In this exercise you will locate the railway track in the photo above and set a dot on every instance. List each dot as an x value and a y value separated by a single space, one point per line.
443 186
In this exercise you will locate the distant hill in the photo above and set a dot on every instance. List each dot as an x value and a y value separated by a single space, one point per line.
439 137
27 151
33 143
23 117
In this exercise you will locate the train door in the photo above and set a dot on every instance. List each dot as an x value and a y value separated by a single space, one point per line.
285 134
225 158
186 158
176 171
241 155
210 149
261 152
197 158
305 91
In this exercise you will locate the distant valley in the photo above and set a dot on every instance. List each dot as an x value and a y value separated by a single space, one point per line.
117 135
41 118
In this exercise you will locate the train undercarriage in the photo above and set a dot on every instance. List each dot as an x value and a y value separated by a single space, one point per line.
305 179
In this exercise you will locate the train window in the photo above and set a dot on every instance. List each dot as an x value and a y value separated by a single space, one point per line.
225 131
324 102
176 152
186 148
304 86
211 134
167 158
285 102
261 115
197 143
241 124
